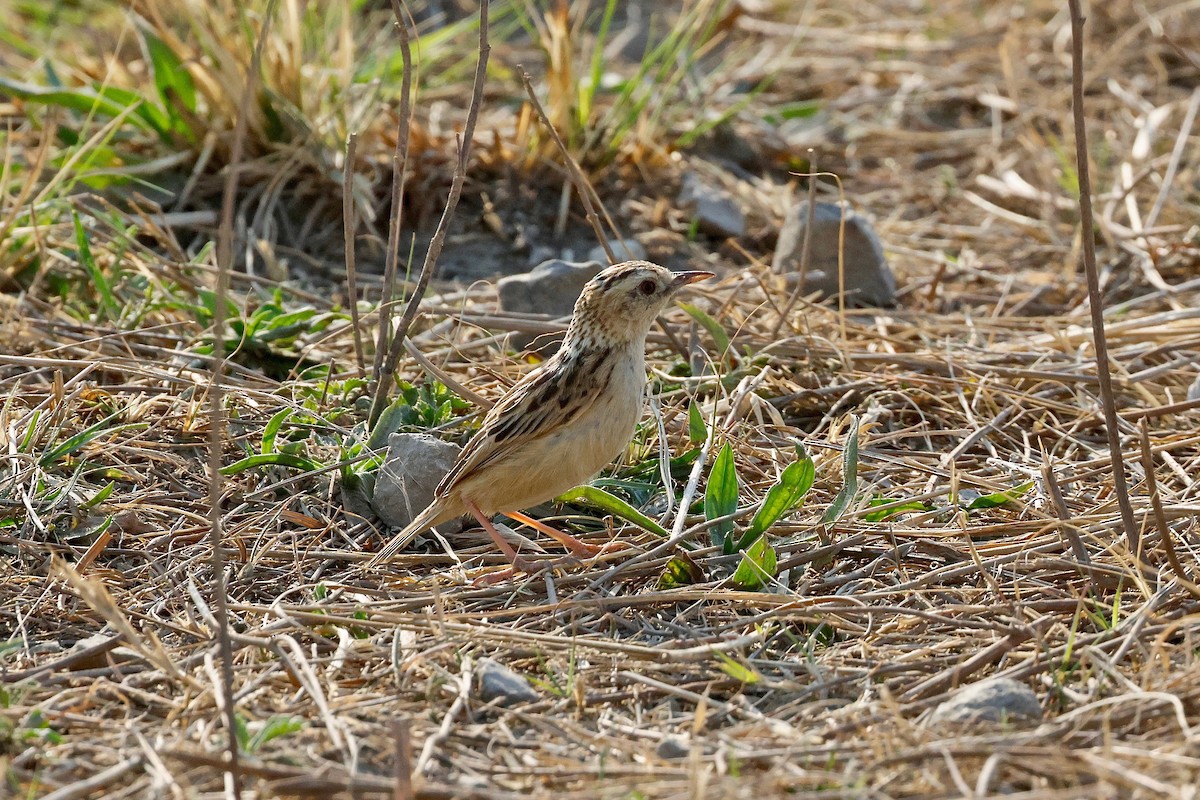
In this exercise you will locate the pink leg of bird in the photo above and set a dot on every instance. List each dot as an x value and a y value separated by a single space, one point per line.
500 541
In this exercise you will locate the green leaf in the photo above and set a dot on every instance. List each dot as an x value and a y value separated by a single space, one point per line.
109 304
680 571
272 430
86 436
100 496
879 516
274 728
788 491
995 498
241 733
697 430
850 477
736 669
172 80
757 566
109 101
721 496
271 459
714 328
796 110
595 496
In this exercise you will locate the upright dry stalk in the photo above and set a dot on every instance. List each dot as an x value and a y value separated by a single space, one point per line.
1095 301
399 175
577 177
216 430
349 225
402 778
387 369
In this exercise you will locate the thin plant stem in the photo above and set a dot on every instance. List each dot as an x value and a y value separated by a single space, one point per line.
1095 301
399 176
388 369
216 429
349 225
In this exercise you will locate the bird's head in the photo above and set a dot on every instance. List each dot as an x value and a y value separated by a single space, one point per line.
620 304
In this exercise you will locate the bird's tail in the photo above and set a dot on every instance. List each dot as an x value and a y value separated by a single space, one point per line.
433 515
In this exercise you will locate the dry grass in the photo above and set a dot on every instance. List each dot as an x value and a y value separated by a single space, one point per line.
952 130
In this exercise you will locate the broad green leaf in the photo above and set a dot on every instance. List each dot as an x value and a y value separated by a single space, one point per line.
714 328
720 498
271 459
995 498
757 566
697 430
680 571
595 496
171 79
878 516
849 476
790 489
736 669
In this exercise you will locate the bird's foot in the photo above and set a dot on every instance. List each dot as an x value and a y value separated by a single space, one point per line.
531 567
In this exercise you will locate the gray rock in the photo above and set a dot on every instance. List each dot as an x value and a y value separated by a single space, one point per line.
995 701
1193 392
414 466
715 211
552 287
673 748
632 250
869 279
498 682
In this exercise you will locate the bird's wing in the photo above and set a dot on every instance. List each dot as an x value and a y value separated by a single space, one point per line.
541 402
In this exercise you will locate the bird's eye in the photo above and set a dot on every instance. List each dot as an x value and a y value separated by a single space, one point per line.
647 287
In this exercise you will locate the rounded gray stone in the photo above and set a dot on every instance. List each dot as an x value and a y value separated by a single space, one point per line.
630 250
414 466
999 700
673 748
715 211
869 279
551 287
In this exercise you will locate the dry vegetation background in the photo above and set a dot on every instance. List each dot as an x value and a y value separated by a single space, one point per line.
948 123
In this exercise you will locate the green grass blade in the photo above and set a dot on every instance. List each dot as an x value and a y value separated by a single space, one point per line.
697 430
86 436
850 478
108 303
997 498
271 431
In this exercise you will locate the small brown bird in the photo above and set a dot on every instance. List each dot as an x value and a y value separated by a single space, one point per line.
563 422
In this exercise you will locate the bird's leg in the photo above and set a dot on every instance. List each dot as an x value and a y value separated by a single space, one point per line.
500 541
581 549
518 563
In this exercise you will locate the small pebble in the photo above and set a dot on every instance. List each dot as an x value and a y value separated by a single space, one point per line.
498 682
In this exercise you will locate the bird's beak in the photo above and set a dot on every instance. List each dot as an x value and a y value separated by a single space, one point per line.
681 279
